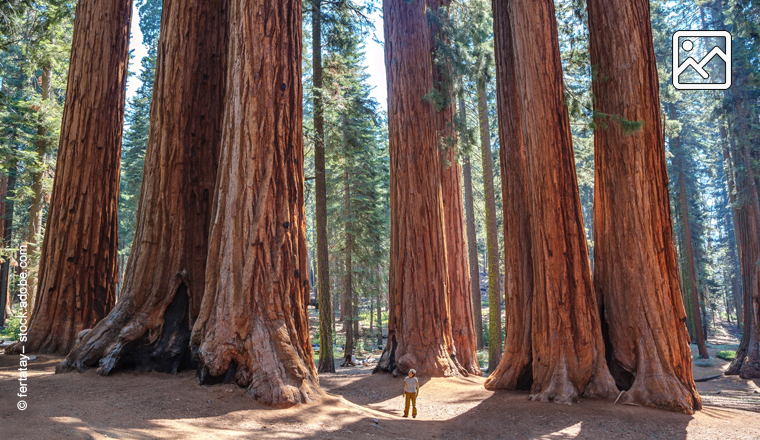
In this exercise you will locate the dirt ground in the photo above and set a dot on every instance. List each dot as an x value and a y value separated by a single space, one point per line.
359 405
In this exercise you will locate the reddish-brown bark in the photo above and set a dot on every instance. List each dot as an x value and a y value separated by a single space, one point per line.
514 371
636 273
77 275
459 287
253 327
419 327
460 294
567 349
149 329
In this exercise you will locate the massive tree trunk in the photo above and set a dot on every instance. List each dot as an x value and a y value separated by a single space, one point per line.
562 353
472 240
492 241
253 326
149 329
78 270
636 272
419 327
459 291
326 356
515 371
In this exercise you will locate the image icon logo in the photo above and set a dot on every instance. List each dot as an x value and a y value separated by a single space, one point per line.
702 60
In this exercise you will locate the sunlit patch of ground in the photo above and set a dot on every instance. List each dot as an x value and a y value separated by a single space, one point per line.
359 406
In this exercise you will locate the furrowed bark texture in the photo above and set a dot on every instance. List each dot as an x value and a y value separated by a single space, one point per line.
636 272
460 294
472 243
515 370
566 340
419 327
77 275
253 326
149 329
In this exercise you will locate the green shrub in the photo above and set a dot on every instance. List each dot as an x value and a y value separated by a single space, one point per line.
728 355
12 328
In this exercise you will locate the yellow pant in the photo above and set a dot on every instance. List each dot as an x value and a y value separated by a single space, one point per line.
413 398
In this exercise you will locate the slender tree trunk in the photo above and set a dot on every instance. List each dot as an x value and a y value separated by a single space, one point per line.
636 273
348 316
379 321
692 273
38 196
253 326
419 327
472 240
78 270
492 242
566 349
694 301
149 329
5 264
734 243
324 299
7 235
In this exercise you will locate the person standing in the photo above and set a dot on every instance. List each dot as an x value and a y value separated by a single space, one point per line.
411 388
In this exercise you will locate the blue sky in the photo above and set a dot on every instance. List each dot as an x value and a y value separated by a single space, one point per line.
375 59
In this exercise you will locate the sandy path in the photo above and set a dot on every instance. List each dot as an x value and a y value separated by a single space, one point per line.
154 405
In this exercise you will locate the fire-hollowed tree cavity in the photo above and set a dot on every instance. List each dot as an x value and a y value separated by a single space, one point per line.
78 267
636 272
554 342
253 327
149 329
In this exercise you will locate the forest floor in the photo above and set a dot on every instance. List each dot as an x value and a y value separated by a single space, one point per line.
358 405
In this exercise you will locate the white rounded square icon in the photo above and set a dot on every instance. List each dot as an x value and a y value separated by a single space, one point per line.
699 63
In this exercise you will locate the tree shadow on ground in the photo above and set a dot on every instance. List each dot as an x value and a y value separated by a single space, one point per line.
158 405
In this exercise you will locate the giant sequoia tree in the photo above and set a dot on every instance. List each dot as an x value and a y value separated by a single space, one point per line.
149 329
558 349
459 291
636 273
419 325
77 277
253 328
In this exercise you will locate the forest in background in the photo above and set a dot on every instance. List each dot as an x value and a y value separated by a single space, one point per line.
712 140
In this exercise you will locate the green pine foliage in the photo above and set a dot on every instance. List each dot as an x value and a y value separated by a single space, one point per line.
33 35
137 128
